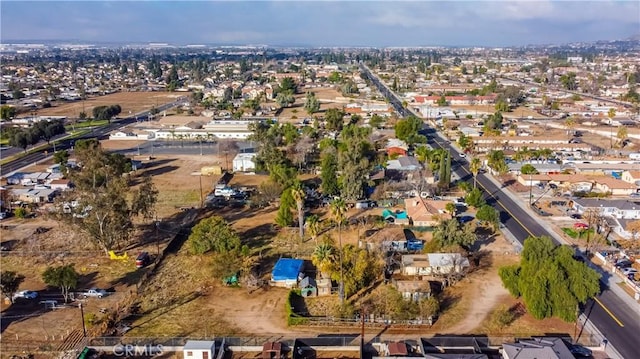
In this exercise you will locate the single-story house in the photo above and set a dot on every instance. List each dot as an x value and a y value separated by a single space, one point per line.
616 208
56 168
30 195
433 263
546 347
413 290
632 177
425 212
455 356
287 272
200 349
244 162
60 184
404 163
615 186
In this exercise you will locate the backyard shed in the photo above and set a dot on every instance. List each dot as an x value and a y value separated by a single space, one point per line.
199 349
324 286
308 287
287 272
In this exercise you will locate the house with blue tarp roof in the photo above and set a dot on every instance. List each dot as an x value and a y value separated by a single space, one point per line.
287 272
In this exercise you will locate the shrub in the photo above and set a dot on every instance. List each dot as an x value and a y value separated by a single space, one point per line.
292 317
20 212
503 316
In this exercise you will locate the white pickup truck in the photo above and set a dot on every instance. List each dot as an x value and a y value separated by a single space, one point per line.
94 292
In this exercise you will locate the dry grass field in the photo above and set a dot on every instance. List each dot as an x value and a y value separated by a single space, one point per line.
131 103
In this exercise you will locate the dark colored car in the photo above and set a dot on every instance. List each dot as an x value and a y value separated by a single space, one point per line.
576 216
143 260
580 351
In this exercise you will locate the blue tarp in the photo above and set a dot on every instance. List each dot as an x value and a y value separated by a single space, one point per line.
287 269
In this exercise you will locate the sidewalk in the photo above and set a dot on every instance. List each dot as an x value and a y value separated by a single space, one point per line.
609 278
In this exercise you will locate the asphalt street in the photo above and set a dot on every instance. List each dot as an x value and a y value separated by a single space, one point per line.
613 317
66 144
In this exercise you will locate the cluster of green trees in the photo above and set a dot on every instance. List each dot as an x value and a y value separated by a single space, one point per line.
7 112
214 235
496 160
285 91
41 130
359 267
408 129
64 277
106 113
549 280
106 201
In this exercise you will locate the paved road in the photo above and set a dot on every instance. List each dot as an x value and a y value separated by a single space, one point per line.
613 317
68 143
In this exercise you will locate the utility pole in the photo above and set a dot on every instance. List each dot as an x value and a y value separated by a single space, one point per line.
84 328
201 198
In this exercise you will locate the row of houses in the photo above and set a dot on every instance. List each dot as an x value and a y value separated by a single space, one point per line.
628 184
197 128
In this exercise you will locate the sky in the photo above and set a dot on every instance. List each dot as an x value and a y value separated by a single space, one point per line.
322 23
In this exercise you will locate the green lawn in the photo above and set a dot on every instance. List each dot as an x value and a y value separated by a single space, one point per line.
86 124
579 234
4 141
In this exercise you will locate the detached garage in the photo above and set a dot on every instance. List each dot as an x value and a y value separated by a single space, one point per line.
287 272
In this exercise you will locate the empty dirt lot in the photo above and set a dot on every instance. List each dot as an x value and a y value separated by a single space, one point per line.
131 103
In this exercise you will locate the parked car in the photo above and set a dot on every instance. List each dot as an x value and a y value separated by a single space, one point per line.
623 263
143 260
25 294
635 195
580 351
629 270
576 216
580 225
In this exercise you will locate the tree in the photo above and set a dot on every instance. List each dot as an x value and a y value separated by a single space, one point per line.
297 192
313 227
622 135
213 234
20 140
324 258
549 280
497 161
61 157
145 198
333 118
488 214
311 105
475 167
451 208
474 198
9 283
407 130
64 277
328 175
442 101
284 217
7 112
569 123
452 233
528 169
376 121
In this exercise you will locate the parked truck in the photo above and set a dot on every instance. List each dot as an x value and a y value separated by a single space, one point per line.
94 293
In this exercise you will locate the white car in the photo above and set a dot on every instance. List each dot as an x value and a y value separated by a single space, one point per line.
463 155
26 294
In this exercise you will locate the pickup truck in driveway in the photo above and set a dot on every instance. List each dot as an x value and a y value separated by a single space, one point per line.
94 292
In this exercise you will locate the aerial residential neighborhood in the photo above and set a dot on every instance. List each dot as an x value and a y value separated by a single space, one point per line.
256 201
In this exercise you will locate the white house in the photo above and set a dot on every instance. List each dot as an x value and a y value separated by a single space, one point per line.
243 162
199 349
433 263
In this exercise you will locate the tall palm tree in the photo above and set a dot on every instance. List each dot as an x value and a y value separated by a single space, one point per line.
299 196
569 123
475 166
323 258
313 227
338 209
